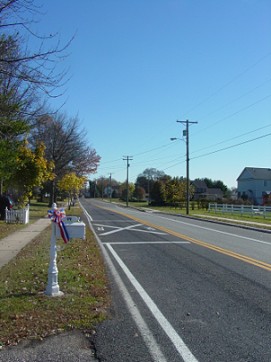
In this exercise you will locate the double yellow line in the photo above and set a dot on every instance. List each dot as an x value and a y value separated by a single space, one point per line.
218 249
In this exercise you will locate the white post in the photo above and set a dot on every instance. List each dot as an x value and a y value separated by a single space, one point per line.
52 288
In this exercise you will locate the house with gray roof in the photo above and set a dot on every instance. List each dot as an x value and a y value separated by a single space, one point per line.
202 192
254 184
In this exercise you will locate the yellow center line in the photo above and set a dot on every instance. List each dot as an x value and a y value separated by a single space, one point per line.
218 249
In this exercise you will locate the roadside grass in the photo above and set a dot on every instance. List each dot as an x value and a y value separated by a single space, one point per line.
37 211
26 312
203 213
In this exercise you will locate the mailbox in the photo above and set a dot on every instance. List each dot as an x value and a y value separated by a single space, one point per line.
75 227
60 224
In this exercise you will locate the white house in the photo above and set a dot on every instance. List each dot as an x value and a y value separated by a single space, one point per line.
254 184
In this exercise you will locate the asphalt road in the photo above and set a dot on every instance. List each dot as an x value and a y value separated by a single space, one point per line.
182 289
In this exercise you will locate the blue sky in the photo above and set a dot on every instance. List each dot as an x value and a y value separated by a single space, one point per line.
137 66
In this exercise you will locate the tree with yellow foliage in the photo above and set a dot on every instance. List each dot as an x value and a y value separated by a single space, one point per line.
72 184
32 170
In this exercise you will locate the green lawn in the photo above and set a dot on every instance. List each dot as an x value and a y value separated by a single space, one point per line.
202 213
26 312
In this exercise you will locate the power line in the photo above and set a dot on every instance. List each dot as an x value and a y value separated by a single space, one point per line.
153 149
208 153
233 138
229 82
219 150
232 146
116 160
234 113
238 98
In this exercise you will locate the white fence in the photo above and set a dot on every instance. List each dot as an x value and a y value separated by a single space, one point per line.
251 210
20 216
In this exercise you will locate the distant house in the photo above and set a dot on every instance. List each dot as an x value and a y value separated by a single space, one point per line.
202 192
254 184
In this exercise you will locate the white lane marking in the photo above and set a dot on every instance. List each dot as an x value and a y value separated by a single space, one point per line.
130 227
115 220
217 231
149 231
120 229
101 227
177 341
148 337
107 226
147 242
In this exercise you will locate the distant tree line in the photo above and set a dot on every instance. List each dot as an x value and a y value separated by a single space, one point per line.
153 186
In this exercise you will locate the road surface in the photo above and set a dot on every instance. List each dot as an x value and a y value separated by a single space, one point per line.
182 289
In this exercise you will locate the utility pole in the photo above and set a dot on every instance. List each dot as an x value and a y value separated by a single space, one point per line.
127 159
94 189
102 179
110 185
186 134
149 199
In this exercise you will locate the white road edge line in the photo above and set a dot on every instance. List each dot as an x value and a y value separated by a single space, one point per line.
216 231
177 341
147 242
146 334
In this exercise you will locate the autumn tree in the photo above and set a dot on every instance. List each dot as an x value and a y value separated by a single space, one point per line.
147 179
26 78
71 184
66 147
158 193
32 169
123 190
139 193
175 190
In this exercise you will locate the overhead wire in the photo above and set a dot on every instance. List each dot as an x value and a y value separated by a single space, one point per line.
232 146
229 82
238 98
220 120
235 113
232 138
224 148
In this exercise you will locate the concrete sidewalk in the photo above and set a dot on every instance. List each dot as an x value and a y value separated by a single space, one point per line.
13 243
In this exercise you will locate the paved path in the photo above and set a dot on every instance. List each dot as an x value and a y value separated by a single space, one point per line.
12 244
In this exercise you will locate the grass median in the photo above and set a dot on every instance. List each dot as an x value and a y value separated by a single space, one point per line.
26 312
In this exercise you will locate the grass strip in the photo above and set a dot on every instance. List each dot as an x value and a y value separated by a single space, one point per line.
27 313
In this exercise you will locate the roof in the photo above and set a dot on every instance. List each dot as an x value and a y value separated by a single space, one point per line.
215 191
256 173
200 184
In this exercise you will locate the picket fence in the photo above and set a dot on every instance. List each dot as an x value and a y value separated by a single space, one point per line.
20 216
251 210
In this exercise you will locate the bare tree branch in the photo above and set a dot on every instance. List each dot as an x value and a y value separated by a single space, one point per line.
38 67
